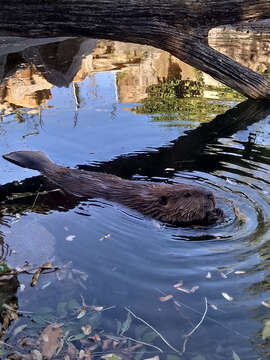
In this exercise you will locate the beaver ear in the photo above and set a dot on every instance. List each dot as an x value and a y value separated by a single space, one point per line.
163 200
187 194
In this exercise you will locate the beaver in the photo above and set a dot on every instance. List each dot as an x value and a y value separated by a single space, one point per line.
177 204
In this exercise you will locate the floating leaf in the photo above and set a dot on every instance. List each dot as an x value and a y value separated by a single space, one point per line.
208 275
266 330
240 272
70 237
213 306
224 276
82 312
227 296
46 266
36 355
180 283
86 329
96 308
165 298
19 329
107 236
46 285
235 356
188 291
22 287
266 303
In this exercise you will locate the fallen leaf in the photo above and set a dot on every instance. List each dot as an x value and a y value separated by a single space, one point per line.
107 236
227 296
183 290
95 338
36 355
70 237
165 298
188 291
96 308
81 354
266 303
50 340
46 266
46 285
224 276
266 330
86 329
19 329
22 287
82 312
235 356
180 283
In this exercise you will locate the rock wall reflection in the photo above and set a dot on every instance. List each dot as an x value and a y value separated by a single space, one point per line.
27 76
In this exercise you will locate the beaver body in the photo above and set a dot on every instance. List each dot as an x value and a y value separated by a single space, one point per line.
179 204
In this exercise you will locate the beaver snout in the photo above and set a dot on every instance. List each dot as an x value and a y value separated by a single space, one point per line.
215 216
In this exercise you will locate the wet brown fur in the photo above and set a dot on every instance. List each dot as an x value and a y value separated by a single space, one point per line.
179 204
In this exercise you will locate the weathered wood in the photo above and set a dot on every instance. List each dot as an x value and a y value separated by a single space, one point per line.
178 26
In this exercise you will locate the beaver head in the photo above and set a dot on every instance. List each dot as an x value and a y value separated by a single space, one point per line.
182 205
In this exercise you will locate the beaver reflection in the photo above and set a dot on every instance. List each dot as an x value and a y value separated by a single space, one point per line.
178 204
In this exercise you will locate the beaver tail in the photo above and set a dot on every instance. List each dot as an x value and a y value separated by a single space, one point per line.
35 160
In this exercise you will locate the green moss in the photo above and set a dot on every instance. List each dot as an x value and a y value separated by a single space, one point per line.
183 100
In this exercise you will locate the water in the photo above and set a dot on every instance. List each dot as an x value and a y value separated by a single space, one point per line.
110 255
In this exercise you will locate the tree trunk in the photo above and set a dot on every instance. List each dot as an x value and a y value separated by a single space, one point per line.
178 26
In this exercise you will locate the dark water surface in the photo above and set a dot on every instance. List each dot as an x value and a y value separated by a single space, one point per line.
76 100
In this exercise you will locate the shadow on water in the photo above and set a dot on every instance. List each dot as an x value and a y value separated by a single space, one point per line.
110 255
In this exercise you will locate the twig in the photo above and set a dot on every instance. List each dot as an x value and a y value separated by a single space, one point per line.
187 336
5 344
151 327
143 343
34 203
208 317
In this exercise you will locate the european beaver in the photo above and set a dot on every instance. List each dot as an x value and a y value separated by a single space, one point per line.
178 204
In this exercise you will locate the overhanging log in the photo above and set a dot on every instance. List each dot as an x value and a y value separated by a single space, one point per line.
178 26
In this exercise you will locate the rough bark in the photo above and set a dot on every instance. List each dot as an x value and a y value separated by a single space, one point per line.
178 26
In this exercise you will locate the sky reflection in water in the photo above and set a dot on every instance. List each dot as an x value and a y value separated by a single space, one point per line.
90 123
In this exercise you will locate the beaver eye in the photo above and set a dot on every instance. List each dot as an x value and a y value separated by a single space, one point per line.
163 200
187 194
